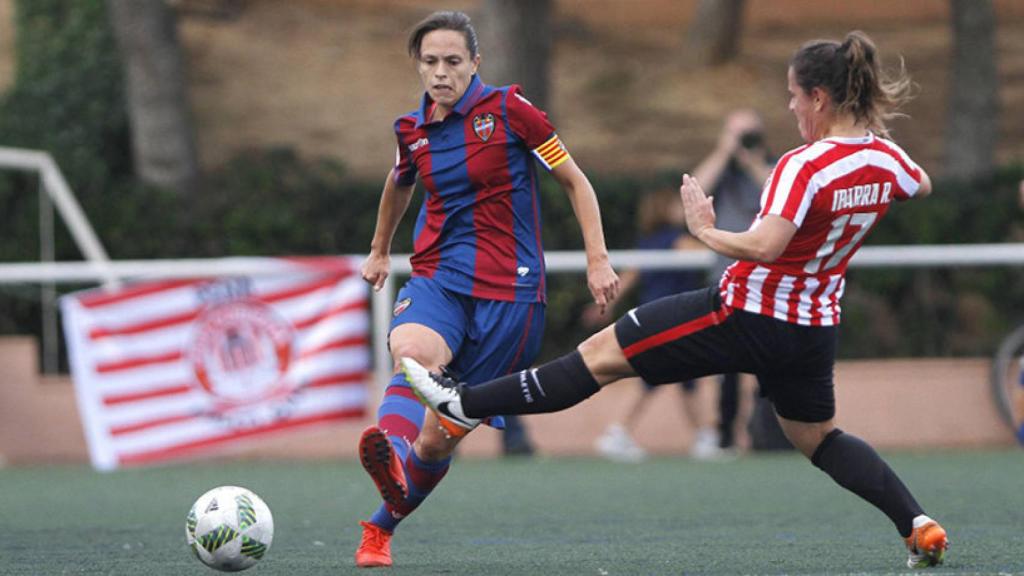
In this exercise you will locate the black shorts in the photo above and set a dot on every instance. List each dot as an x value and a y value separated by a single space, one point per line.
688 386
690 335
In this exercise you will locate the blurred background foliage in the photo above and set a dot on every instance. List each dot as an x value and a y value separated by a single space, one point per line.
68 99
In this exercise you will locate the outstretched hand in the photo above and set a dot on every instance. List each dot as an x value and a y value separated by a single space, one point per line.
699 208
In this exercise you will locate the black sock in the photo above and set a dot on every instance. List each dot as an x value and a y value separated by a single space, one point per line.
855 465
554 386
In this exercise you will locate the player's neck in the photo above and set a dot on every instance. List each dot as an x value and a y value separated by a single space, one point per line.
438 112
846 128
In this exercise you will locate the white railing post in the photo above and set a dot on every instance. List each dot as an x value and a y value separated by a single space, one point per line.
382 301
60 193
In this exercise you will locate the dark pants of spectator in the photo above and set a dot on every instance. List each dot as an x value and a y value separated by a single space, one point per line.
514 440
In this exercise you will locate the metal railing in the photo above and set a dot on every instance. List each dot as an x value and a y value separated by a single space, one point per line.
54 190
930 256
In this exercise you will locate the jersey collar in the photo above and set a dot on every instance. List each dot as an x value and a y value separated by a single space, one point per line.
474 92
852 140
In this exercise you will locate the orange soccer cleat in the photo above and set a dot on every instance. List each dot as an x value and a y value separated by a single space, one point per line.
927 544
375 548
382 464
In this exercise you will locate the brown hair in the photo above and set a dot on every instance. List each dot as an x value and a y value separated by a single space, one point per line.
443 20
653 210
851 73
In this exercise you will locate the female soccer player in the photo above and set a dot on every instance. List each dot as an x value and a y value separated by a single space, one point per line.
475 302
776 311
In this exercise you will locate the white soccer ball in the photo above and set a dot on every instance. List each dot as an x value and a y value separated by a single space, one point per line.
229 528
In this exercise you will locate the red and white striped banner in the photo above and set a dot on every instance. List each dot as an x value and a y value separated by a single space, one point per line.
167 369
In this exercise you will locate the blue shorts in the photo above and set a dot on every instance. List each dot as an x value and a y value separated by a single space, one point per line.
488 338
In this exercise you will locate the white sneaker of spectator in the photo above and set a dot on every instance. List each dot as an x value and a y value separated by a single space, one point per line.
617 445
705 445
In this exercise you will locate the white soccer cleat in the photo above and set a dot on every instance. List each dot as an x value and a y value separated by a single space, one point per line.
441 395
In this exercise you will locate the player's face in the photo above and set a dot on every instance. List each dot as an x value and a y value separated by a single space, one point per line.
803 106
445 66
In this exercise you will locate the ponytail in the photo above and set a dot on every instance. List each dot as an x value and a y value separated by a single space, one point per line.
851 73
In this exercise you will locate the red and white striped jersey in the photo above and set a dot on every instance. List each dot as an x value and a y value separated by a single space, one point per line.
834 190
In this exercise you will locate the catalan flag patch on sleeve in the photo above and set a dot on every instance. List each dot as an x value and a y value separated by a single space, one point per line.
551 153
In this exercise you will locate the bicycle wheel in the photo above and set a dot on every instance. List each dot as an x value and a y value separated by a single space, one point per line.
1007 375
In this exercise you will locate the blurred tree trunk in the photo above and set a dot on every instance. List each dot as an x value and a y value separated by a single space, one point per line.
163 143
714 36
973 102
516 46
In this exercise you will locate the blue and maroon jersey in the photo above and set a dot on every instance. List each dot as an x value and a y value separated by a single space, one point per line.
478 232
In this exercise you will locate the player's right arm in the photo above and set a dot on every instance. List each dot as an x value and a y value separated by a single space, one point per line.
394 201
763 242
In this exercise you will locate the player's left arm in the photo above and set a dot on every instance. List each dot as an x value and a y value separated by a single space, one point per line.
531 125
764 242
925 189
912 182
601 278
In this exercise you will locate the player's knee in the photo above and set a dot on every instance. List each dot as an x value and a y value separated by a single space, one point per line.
415 350
433 447
806 436
604 358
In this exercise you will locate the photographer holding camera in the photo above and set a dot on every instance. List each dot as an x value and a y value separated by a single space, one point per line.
734 174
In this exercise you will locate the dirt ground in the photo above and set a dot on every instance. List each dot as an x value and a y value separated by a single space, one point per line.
329 76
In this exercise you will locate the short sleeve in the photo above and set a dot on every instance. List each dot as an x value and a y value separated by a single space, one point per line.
531 125
788 189
405 168
907 173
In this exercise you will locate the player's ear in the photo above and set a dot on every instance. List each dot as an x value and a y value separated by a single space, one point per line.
476 62
820 98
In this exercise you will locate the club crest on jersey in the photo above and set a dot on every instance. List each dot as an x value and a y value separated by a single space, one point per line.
483 125
401 306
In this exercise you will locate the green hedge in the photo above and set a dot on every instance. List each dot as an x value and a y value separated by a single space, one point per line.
940 311
67 99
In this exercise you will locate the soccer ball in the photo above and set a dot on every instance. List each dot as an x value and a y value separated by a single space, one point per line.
229 528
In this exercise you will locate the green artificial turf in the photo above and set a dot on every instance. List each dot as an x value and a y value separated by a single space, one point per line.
770 514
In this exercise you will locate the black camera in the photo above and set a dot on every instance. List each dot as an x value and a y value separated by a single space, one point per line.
752 139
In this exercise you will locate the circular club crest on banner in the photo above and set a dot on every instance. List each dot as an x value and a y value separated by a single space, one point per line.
240 353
